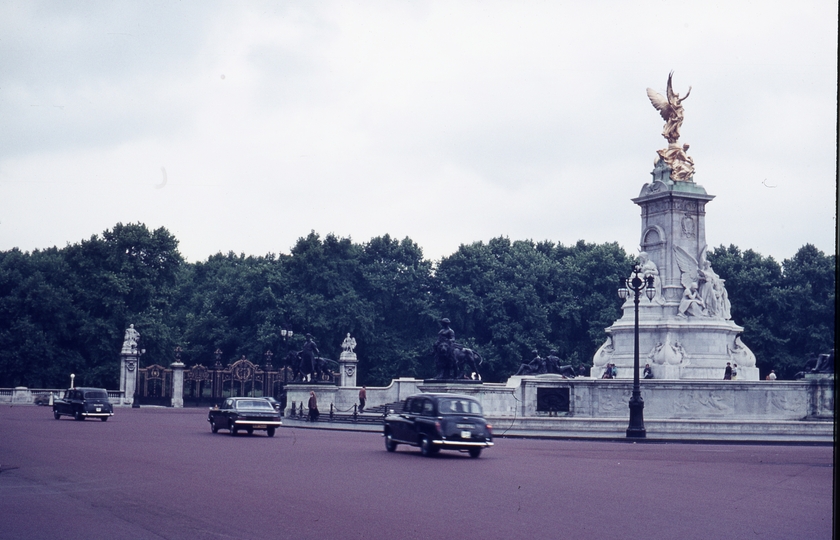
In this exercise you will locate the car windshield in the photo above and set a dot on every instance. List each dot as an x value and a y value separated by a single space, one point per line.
254 404
96 394
459 406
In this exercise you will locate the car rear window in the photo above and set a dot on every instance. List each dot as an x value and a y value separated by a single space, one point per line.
254 404
459 406
96 394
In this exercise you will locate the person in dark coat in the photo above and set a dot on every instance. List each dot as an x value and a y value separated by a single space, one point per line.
313 407
648 372
727 373
362 399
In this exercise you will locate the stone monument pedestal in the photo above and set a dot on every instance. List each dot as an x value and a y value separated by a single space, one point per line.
347 364
685 331
129 363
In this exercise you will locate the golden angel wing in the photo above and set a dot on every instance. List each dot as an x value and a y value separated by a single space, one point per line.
660 103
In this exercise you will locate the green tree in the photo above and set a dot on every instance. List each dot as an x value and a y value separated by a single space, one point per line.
512 297
65 310
787 310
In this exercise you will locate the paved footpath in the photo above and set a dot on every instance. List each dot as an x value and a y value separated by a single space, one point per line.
159 473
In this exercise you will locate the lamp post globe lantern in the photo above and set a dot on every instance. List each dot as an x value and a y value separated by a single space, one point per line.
635 285
285 334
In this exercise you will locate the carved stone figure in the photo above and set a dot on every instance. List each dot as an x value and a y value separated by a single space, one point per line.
671 109
649 269
691 303
131 338
348 344
713 293
668 353
740 353
604 353
710 298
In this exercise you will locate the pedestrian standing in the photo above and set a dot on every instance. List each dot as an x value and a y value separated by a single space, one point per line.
362 399
313 407
734 371
727 373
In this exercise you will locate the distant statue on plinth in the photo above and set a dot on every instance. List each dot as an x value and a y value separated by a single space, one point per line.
130 339
671 109
348 344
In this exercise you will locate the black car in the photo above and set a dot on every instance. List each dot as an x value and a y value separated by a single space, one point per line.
437 422
248 414
81 403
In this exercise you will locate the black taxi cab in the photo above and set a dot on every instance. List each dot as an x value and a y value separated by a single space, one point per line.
81 403
437 422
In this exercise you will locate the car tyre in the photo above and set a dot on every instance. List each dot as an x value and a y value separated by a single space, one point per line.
56 415
78 415
104 418
270 432
475 452
213 427
426 447
250 430
390 445
233 431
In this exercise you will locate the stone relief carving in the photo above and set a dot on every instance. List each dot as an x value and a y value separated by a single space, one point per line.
704 293
713 402
610 402
689 228
671 109
789 402
668 353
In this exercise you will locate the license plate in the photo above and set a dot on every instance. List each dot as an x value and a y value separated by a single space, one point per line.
466 434
259 426
99 409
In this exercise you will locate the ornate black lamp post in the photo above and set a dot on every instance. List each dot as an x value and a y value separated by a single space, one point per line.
135 404
637 283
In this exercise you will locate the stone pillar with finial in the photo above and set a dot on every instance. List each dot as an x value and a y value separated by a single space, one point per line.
177 380
348 362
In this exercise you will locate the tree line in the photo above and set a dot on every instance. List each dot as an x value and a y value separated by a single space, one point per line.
65 310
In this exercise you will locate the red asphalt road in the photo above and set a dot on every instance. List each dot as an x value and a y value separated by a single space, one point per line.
160 473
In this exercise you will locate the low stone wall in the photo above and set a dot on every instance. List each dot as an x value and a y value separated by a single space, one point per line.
343 398
583 397
25 396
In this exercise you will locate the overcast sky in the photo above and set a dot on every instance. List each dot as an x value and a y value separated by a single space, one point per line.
242 126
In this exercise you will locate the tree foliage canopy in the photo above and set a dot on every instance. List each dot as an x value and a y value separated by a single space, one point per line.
65 310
